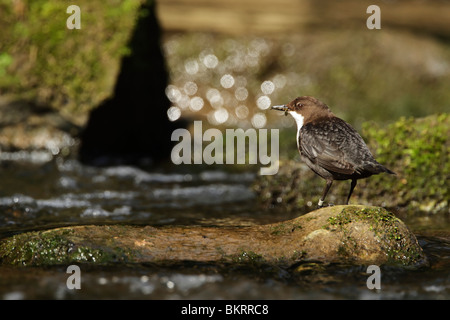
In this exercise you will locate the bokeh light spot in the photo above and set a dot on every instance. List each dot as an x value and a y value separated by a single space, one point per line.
259 120
173 113
227 81
263 102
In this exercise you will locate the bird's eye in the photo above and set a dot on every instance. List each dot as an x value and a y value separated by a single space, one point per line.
299 105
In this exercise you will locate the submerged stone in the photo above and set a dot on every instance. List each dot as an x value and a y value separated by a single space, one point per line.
340 234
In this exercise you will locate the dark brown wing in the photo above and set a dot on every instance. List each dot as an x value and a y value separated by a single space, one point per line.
333 145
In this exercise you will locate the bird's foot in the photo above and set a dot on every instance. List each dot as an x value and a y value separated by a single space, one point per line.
322 205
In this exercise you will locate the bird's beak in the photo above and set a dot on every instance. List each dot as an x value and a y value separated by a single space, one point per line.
283 108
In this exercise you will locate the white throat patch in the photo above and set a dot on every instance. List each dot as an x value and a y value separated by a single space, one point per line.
299 120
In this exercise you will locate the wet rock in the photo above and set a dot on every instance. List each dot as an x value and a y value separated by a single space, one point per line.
347 234
26 126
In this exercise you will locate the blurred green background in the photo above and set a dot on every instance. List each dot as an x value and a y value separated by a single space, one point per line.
268 52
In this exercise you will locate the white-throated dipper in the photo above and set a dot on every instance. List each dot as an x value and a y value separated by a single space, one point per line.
329 145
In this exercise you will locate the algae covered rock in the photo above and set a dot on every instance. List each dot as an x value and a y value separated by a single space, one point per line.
418 150
340 234
71 70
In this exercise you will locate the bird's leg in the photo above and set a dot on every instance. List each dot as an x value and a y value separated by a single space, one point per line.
325 191
352 186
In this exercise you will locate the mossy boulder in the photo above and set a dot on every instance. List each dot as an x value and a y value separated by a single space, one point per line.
41 60
54 247
417 149
347 234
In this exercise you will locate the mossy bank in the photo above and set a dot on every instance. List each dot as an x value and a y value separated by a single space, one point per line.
340 234
43 61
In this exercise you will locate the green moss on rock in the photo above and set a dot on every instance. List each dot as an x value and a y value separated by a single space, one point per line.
42 60
339 234
248 257
418 151
390 231
51 247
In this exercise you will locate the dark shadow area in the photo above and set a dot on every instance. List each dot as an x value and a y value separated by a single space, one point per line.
132 126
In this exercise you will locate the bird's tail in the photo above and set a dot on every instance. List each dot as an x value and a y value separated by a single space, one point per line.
384 169
375 168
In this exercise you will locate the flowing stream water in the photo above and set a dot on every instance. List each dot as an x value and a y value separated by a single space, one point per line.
40 192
